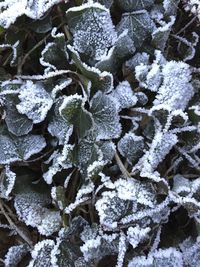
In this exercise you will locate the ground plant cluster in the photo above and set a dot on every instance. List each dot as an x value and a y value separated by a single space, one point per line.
100 133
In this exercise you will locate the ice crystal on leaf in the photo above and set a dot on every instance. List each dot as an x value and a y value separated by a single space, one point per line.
163 257
105 115
7 182
139 25
176 89
35 101
15 254
41 254
131 147
12 9
92 28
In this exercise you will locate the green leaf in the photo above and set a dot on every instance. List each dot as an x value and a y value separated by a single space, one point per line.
139 25
105 114
74 113
91 35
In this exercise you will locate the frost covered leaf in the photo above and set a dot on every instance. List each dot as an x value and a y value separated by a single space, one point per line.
92 28
191 253
122 50
99 80
163 257
29 145
105 115
129 197
18 124
41 254
108 150
14 255
74 113
176 89
60 160
124 96
31 208
131 147
85 154
137 234
54 55
7 182
58 126
35 101
160 147
8 150
131 5
139 25
96 246
161 35
13 9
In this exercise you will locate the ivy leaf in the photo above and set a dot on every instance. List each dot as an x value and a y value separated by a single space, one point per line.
105 115
160 36
162 257
54 52
35 101
122 50
99 80
91 35
131 147
41 254
176 89
21 148
58 126
74 113
15 254
7 182
139 25
131 5
124 96
31 207
18 124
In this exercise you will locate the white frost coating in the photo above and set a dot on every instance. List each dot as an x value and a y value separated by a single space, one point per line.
122 250
74 205
45 63
137 234
30 145
14 47
35 101
41 254
192 6
124 96
60 87
8 150
12 9
131 146
15 255
176 90
88 245
30 208
7 182
105 115
161 257
92 28
160 147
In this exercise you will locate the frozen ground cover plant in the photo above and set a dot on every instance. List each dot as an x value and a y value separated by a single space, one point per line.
99 133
